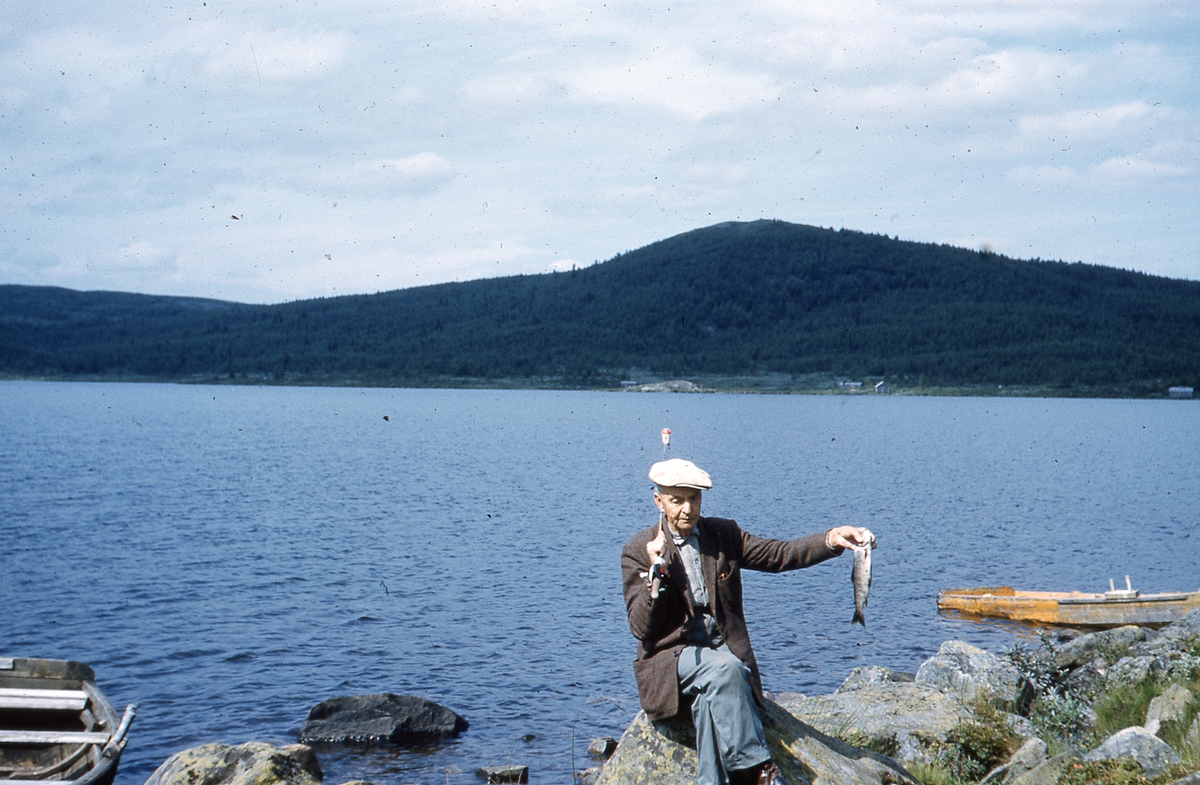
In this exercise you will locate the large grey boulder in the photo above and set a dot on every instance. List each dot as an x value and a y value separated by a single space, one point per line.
1171 706
254 763
665 754
871 675
1031 755
1106 645
908 721
381 717
1152 753
966 671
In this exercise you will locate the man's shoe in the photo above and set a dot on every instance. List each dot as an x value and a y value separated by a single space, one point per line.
770 774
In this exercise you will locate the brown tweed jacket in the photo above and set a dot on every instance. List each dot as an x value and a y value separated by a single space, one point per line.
660 625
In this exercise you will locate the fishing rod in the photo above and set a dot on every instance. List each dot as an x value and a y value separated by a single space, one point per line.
659 567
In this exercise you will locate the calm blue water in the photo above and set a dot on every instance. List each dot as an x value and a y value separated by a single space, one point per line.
226 557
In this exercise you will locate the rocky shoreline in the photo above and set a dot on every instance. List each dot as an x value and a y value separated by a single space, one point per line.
1115 707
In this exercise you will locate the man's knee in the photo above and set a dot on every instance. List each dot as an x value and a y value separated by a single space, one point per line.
729 670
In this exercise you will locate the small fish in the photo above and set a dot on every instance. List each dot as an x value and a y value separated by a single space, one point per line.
860 576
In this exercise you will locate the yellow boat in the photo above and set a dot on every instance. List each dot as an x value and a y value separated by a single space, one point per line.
1113 608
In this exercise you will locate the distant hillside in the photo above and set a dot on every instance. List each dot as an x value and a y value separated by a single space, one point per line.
732 299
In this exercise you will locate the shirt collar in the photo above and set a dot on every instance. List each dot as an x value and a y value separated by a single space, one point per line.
680 539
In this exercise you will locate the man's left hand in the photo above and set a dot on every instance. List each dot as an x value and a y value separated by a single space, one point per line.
849 537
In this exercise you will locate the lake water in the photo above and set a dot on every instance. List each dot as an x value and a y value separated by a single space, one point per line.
227 557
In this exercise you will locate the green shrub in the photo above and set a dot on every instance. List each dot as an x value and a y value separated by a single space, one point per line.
1062 717
1036 665
975 747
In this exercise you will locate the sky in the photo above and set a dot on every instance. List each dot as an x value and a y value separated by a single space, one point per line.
264 152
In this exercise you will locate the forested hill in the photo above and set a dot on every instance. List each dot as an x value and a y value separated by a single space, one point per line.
732 299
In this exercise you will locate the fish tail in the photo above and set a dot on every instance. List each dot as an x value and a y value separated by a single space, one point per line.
858 617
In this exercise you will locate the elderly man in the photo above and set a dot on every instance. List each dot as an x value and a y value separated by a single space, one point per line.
683 593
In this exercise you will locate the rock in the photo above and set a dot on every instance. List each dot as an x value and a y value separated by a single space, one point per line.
504 773
1086 678
1048 772
1106 645
1171 706
307 758
873 674
1019 725
965 671
1193 735
254 763
588 776
907 721
1151 752
1064 634
1133 670
1191 779
665 754
382 717
1031 755
1185 629
602 748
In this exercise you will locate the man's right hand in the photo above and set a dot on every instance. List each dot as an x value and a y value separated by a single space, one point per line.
656 549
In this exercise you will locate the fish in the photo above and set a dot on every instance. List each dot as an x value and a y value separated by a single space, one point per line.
860 576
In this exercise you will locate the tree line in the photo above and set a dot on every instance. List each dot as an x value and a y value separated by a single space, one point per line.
765 297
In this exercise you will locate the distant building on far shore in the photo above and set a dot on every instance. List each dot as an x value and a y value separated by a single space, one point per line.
849 385
882 387
1180 392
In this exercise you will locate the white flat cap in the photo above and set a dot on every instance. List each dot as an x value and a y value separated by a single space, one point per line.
678 473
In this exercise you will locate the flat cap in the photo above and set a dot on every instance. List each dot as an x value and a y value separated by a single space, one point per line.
678 473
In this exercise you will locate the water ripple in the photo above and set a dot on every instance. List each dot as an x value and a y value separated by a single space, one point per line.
227 580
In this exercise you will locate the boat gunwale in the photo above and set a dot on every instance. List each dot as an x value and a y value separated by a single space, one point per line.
102 758
1072 609
1071 598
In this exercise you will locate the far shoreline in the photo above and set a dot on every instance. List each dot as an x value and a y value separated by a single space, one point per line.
765 384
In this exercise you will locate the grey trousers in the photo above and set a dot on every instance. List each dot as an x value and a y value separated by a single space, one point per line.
729 731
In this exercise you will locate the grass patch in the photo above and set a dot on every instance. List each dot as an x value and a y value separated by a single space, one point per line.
884 745
1109 772
933 774
1125 705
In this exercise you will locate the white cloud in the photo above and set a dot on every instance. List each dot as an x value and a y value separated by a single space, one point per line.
504 88
677 80
1103 121
13 97
566 130
1126 168
416 174
1056 176
142 256
281 54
